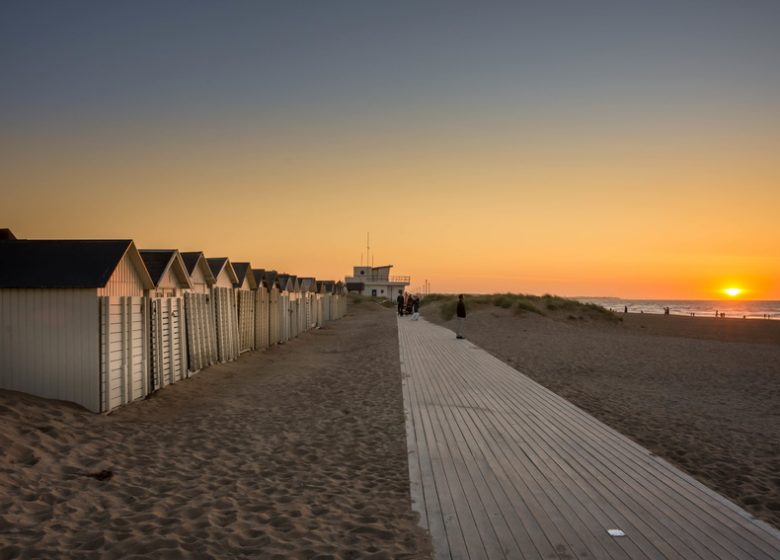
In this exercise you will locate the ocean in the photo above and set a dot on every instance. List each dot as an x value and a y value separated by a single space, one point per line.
700 308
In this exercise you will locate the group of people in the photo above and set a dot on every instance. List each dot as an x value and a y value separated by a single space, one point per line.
411 305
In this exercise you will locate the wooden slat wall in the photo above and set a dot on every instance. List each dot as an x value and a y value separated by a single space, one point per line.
124 340
284 318
262 321
201 331
124 281
274 317
227 323
168 343
245 300
198 279
49 344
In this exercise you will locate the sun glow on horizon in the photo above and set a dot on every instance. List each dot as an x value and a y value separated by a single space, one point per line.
732 292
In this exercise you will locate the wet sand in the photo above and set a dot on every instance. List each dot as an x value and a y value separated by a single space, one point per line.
703 393
298 452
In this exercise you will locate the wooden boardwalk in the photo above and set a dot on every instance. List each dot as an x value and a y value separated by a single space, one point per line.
500 467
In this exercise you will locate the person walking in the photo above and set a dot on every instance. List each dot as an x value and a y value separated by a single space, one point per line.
416 308
461 316
400 301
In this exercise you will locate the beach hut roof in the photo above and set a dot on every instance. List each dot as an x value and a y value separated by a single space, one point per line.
259 275
308 284
272 278
283 280
327 286
65 263
244 270
192 259
6 234
216 265
158 261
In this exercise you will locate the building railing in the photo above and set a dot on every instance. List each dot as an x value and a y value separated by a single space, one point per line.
378 278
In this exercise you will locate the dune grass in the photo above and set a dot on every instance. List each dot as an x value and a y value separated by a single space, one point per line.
546 305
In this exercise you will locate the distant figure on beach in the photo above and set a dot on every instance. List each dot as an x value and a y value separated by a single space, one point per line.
666 311
625 309
416 308
461 316
716 313
400 301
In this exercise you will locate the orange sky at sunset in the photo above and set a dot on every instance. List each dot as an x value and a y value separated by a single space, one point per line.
670 193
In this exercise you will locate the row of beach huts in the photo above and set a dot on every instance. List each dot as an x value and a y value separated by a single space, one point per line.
101 324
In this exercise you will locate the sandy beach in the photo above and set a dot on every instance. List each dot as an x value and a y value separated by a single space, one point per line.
298 452
702 393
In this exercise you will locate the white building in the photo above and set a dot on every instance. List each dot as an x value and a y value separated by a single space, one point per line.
376 281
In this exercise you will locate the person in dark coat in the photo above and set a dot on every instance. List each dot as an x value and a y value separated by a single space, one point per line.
460 314
400 301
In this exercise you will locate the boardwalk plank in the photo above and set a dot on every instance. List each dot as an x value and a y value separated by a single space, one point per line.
500 467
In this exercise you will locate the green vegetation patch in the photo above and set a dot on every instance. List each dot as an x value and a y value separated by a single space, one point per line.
545 305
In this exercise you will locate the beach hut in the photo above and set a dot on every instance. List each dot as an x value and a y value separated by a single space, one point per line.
168 333
339 300
198 268
300 308
224 304
296 308
286 288
74 322
262 310
309 294
199 313
245 290
325 290
274 304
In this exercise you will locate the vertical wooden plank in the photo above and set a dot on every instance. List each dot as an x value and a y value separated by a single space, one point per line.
106 319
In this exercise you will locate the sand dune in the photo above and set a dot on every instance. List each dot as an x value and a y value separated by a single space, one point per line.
298 452
692 390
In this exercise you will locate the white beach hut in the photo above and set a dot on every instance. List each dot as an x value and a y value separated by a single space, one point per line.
199 313
325 290
339 300
245 290
74 323
274 307
286 288
309 294
262 310
225 312
168 330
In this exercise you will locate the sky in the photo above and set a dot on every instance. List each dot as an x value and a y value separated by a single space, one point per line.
583 148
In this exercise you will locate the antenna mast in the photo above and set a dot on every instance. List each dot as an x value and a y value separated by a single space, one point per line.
368 248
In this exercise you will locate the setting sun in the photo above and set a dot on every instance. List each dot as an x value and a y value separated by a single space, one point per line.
732 292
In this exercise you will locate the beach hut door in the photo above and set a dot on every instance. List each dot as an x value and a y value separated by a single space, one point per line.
168 344
123 350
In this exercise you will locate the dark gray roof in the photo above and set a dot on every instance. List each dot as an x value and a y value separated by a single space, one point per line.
272 277
191 260
242 269
156 261
216 264
308 284
6 234
45 263
259 274
327 284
